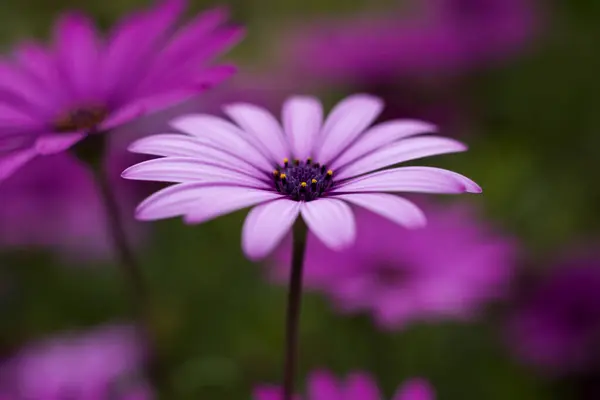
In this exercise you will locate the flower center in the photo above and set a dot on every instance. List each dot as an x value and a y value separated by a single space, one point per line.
81 119
302 180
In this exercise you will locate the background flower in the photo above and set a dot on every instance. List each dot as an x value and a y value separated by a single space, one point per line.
532 112
84 365
82 84
438 37
447 270
557 325
323 385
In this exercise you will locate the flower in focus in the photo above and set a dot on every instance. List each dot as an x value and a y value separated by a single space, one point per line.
82 85
557 328
446 270
438 37
307 167
322 385
94 365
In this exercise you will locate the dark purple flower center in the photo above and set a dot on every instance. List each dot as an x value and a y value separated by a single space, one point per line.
302 180
84 119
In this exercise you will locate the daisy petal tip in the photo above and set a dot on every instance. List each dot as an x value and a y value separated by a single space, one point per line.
419 222
472 187
141 214
253 254
127 173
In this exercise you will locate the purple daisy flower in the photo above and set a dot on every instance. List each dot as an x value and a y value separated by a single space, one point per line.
306 167
53 203
91 366
558 325
391 272
323 385
51 97
438 37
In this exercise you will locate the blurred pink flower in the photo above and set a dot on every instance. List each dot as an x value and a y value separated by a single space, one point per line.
53 96
557 328
86 366
446 270
286 170
435 38
322 385
54 203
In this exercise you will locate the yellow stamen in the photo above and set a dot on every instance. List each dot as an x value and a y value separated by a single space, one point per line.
303 184
314 181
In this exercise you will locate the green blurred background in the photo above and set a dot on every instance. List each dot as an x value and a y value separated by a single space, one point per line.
534 144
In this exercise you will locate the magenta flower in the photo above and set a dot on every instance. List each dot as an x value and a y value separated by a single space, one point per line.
82 366
435 38
322 385
307 167
83 84
54 203
393 274
557 328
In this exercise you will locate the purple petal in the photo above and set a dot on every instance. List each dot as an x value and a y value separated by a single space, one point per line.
322 385
415 389
395 208
212 76
186 43
16 84
170 202
380 135
302 117
18 119
217 201
260 123
401 151
12 162
410 179
187 169
266 225
331 220
134 40
267 393
57 142
179 74
347 120
178 145
77 45
39 63
360 386
126 113
223 134
146 105
167 145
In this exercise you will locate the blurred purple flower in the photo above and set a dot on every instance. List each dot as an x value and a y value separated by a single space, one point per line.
445 270
52 97
54 203
86 366
287 171
558 326
435 38
322 385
